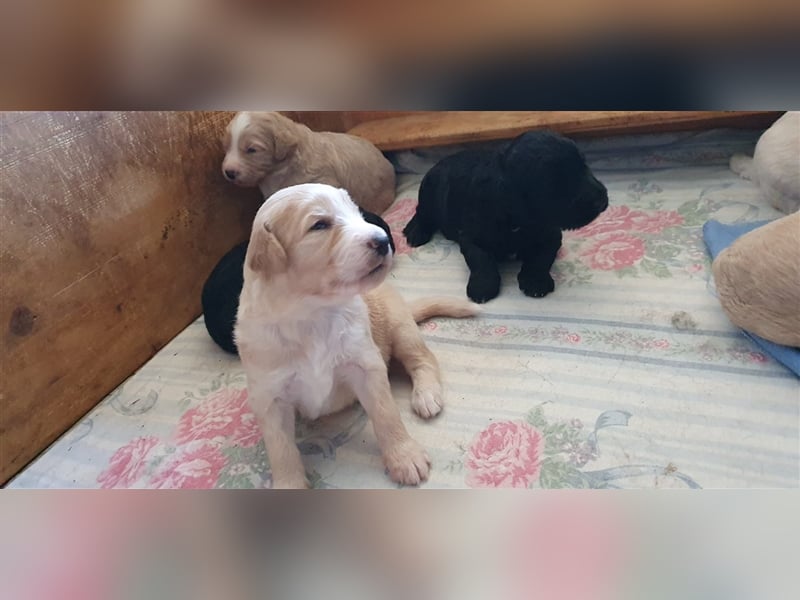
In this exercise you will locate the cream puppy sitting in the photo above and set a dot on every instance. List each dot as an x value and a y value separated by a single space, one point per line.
317 326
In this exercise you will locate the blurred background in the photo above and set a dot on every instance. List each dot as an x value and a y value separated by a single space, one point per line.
418 54
558 545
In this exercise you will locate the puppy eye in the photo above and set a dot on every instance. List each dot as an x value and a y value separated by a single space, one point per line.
250 150
320 225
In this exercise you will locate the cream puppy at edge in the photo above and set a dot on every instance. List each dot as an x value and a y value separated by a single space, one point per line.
775 165
317 326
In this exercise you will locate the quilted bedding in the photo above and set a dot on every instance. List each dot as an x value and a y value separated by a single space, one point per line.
628 376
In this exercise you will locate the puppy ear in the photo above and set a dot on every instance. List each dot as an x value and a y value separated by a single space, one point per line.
266 255
284 139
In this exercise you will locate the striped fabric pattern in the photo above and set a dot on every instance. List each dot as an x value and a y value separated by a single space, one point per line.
628 376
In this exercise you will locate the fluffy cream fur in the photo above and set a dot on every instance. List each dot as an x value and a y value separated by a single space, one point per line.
775 166
268 150
317 326
758 281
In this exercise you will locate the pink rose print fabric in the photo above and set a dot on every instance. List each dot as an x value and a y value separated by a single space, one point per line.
613 252
618 238
655 222
223 416
505 454
128 463
195 455
622 218
194 468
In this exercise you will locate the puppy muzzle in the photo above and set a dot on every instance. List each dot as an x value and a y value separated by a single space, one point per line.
380 244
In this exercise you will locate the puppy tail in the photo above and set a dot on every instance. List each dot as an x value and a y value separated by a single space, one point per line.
442 306
742 165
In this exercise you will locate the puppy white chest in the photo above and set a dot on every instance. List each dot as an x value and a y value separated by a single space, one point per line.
312 385
312 373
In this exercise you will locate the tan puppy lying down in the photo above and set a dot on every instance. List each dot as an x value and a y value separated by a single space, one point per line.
317 326
268 150
758 281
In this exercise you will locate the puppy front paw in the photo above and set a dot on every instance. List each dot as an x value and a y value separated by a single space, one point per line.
482 288
536 286
407 462
290 483
416 233
427 402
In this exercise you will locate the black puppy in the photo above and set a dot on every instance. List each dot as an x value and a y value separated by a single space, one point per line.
221 291
512 201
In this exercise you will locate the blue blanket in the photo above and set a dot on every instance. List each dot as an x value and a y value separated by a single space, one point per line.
719 236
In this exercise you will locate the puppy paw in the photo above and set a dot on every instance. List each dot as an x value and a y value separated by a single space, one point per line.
481 288
742 165
427 402
416 233
290 483
536 286
407 463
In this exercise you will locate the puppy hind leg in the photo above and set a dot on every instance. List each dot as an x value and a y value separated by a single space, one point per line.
409 348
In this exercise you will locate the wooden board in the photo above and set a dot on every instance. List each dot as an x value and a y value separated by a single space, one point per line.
341 120
109 225
425 129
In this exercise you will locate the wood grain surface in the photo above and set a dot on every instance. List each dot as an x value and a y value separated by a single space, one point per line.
109 225
425 129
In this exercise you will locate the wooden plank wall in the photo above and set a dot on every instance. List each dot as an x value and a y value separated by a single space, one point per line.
109 224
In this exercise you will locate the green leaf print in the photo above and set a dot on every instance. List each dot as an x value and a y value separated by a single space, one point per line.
658 269
662 251
556 473
557 436
693 213
536 418
573 273
627 272
236 477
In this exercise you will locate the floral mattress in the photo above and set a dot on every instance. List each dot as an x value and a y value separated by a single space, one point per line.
628 376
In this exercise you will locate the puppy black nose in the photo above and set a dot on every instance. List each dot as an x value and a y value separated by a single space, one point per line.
380 244
231 174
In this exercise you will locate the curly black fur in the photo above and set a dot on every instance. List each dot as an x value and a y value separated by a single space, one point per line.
515 200
221 291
